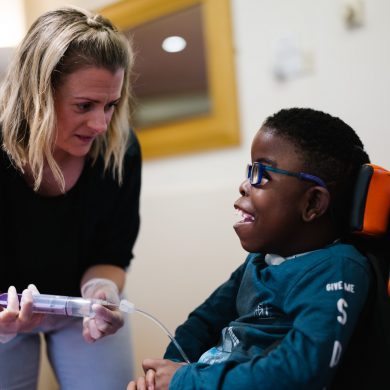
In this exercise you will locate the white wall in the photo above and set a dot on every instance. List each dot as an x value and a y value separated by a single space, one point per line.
186 245
34 8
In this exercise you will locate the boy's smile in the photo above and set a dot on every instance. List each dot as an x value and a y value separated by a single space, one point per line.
272 211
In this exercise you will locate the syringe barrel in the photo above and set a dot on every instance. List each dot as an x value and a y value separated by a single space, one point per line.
79 307
57 304
49 304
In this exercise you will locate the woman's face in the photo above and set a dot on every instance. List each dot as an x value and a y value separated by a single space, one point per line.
85 101
272 212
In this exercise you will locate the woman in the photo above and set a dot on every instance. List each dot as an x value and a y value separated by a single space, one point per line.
70 173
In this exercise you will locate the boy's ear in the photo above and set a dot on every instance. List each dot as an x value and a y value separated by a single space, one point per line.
317 201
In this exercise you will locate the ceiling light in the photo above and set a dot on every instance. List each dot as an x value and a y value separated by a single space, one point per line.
174 44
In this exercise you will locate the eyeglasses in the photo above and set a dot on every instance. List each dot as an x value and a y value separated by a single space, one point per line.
255 172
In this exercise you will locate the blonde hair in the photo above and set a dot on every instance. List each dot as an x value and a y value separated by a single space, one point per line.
59 43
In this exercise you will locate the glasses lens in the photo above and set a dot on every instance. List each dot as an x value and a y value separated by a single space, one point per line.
256 174
248 171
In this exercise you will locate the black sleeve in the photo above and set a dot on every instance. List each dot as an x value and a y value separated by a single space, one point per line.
118 219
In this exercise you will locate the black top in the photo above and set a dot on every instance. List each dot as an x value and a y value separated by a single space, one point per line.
51 241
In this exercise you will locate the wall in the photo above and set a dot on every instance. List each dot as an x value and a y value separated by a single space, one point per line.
37 7
186 245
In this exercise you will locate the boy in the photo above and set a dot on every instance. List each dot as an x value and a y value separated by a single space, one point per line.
286 316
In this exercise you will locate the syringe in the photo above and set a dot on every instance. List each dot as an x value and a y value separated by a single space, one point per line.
62 305
81 307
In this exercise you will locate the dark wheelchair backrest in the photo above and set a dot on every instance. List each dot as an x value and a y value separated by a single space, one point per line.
366 362
370 214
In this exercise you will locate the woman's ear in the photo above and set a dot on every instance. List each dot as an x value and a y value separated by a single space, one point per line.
317 201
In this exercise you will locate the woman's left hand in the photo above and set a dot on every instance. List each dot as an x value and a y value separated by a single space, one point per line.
106 321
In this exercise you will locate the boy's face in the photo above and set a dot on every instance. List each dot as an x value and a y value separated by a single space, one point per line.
272 212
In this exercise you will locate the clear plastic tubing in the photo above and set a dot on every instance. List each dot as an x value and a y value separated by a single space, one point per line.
129 307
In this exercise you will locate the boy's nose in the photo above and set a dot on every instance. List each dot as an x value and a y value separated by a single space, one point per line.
245 187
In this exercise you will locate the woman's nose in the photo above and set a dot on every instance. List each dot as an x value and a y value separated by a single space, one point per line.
245 187
98 122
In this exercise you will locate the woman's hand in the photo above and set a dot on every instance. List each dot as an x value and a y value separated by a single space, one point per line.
15 319
105 321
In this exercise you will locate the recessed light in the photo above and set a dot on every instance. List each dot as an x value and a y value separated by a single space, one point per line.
174 44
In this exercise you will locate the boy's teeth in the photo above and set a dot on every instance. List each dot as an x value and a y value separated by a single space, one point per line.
248 217
245 217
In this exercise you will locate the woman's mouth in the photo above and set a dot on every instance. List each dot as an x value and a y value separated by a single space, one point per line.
84 138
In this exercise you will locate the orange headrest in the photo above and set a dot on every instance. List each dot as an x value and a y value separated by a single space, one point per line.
371 201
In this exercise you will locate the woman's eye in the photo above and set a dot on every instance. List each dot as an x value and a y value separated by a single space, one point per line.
83 106
112 105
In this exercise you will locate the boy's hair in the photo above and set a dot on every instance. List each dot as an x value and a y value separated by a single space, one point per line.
59 43
329 148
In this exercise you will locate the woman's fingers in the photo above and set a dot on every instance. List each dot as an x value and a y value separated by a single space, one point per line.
26 306
13 300
33 289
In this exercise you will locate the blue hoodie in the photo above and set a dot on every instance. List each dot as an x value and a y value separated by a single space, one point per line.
278 326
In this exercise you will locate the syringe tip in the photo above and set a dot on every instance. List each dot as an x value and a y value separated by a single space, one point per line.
126 306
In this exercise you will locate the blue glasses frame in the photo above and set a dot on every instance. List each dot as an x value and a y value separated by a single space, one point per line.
255 171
